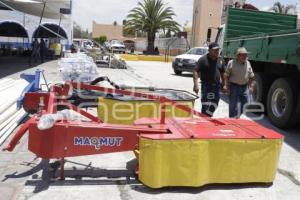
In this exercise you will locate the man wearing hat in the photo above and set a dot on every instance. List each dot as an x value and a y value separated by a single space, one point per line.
210 69
239 77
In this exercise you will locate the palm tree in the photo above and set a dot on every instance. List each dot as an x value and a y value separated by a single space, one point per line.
150 16
283 9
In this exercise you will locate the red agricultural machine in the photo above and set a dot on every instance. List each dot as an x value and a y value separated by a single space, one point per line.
191 151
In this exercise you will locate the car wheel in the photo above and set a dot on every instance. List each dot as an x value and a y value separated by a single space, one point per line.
177 72
282 103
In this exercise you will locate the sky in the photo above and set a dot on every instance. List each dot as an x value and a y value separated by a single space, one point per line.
108 11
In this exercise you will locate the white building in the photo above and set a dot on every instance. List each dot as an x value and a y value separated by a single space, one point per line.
17 28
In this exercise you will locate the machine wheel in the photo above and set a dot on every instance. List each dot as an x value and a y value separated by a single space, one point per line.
282 103
177 72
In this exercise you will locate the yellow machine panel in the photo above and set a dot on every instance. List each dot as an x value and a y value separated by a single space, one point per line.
197 162
126 112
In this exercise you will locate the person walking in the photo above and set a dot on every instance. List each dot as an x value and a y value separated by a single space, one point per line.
239 82
35 55
210 69
47 49
43 50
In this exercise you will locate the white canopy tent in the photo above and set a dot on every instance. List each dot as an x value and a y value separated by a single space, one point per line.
49 9
52 8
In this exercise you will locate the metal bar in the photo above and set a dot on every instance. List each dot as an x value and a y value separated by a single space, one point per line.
42 72
42 14
82 112
58 29
264 37
163 111
115 91
19 134
41 18
51 107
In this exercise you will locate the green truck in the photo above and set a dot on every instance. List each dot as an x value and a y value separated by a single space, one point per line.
273 41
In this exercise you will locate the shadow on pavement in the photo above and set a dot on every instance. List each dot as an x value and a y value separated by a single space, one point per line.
13 64
90 175
51 171
197 190
291 136
187 75
30 172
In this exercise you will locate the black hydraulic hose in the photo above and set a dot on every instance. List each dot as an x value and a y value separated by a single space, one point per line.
105 78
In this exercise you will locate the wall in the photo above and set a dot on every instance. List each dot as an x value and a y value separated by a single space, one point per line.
176 46
111 31
206 13
31 23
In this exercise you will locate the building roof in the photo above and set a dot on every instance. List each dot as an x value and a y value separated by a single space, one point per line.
35 7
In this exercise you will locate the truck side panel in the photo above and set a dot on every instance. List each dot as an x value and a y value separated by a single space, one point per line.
274 45
280 47
250 22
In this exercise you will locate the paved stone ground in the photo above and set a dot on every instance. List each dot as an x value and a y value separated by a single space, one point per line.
21 174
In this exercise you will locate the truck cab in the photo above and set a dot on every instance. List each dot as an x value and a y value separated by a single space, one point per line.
220 35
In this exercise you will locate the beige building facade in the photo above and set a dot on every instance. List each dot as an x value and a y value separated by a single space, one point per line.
111 31
206 14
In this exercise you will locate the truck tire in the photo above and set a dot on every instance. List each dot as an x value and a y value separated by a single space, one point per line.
282 103
262 85
260 93
257 95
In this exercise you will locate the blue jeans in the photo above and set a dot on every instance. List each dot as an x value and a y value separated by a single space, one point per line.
238 98
210 97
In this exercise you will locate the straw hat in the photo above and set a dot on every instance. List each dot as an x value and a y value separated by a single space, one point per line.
242 50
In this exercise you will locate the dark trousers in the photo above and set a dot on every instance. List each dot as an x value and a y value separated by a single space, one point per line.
35 55
210 97
238 98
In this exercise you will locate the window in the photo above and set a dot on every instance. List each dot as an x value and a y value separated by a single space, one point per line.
192 51
201 51
197 51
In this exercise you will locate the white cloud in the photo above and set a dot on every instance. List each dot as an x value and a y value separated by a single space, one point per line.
108 11
265 8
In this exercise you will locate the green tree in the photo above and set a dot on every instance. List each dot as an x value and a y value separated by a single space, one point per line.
78 32
128 32
283 9
100 39
150 16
